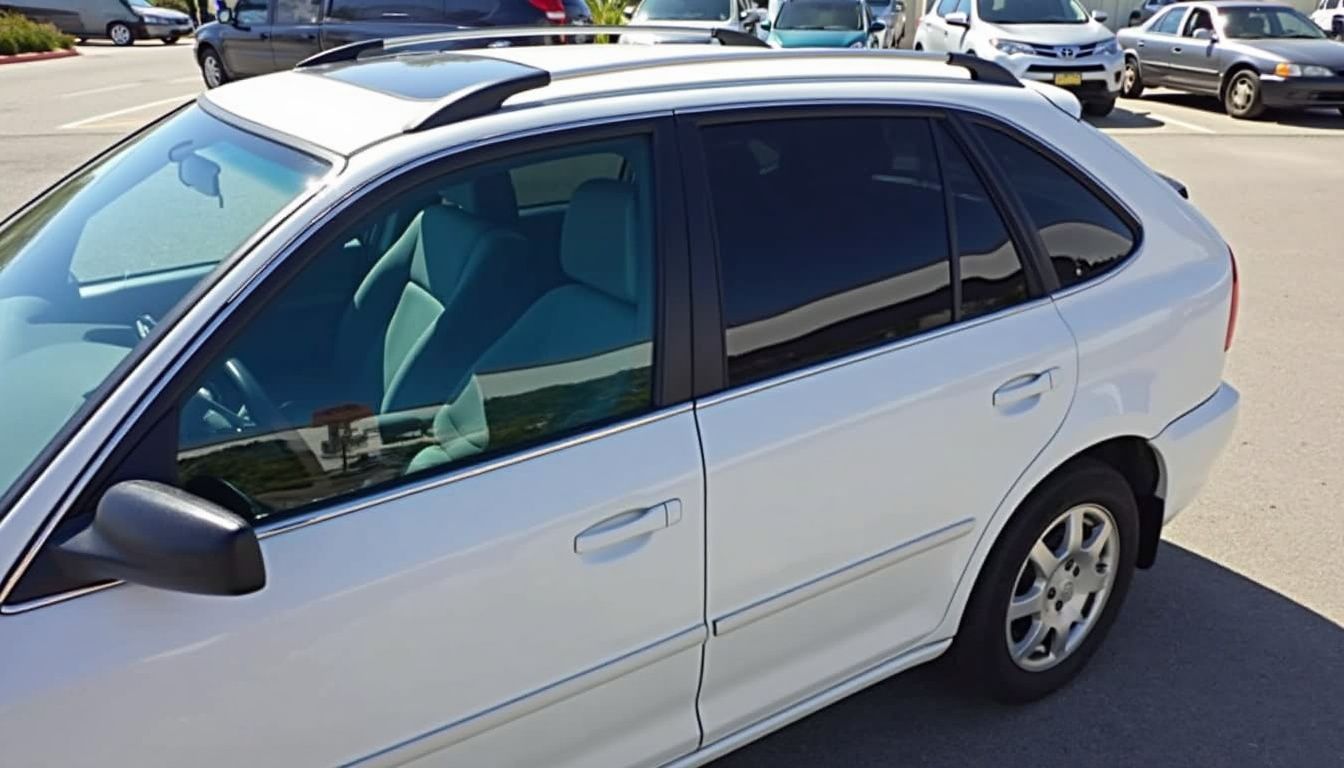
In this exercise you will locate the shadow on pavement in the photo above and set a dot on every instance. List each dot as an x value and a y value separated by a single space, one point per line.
1316 118
1121 117
1204 668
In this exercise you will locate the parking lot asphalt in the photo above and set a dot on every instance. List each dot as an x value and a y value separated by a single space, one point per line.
1230 652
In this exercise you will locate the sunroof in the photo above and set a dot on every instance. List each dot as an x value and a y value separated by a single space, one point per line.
427 76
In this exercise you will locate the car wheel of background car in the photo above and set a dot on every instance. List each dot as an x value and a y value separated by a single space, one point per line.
170 40
212 69
1099 108
919 46
120 34
1052 586
1242 98
1131 84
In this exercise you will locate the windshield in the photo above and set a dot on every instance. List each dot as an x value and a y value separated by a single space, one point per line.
1033 12
1261 22
141 3
806 15
682 10
87 271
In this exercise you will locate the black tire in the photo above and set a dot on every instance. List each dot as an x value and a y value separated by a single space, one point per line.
170 40
212 67
120 34
981 647
1131 82
1099 108
1245 104
919 46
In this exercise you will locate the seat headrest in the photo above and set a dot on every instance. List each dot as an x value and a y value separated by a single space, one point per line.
602 240
492 197
447 238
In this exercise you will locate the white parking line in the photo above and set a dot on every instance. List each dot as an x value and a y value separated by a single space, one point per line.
126 111
188 79
1181 123
103 89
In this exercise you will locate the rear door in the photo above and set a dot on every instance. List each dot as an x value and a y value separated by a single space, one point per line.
247 47
348 21
889 367
1155 46
295 35
1194 62
519 583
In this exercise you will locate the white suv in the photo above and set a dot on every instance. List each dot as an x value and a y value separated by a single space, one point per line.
1329 16
451 409
1053 41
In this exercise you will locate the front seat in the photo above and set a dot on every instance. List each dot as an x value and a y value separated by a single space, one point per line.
597 325
431 304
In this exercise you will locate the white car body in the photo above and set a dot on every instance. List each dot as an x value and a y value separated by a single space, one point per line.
413 627
1329 16
1055 49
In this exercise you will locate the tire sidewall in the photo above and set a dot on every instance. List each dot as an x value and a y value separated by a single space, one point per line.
130 34
210 53
981 645
1253 109
1135 91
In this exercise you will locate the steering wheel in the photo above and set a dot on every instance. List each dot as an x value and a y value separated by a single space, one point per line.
263 413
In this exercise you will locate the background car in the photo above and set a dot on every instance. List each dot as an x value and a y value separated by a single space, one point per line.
1329 16
255 37
892 15
1145 11
121 21
1054 41
1251 56
739 15
825 24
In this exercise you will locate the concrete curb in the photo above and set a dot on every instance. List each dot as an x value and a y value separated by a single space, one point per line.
19 58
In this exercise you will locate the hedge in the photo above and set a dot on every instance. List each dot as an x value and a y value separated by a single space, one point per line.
20 34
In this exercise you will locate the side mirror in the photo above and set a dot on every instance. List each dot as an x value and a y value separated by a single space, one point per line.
876 26
156 535
1099 16
1204 34
898 7
628 12
958 19
225 16
765 24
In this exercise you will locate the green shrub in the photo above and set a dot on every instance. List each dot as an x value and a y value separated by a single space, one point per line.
20 34
607 13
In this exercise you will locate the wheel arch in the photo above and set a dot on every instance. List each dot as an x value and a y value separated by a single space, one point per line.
210 45
1233 71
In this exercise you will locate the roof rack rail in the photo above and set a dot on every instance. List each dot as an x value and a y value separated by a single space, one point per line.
480 99
983 70
434 42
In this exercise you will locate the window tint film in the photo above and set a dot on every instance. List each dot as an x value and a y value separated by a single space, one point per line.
443 328
1082 235
991 273
852 248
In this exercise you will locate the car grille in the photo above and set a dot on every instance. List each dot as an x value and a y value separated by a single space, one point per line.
1053 51
1052 68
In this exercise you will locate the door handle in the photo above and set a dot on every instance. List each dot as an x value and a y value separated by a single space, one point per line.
628 525
264 36
1140 43
1021 388
1175 49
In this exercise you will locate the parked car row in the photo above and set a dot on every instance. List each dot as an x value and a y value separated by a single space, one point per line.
1250 55
121 21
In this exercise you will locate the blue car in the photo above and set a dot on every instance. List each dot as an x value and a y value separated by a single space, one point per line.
824 24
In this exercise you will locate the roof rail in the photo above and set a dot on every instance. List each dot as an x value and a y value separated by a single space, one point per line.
480 99
983 70
434 42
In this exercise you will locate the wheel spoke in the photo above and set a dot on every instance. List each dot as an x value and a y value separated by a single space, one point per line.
1073 532
1101 533
1060 642
1044 559
1026 605
1032 639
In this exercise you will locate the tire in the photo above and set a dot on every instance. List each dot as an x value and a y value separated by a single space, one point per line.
1099 108
919 46
1242 98
984 650
212 68
170 40
120 34
1131 82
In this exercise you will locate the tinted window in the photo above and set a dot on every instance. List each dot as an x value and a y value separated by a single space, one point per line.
1260 22
387 10
832 238
1032 12
1199 19
440 329
554 181
811 14
1169 22
945 7
1082 234
298 11
991 273
683 10
253 12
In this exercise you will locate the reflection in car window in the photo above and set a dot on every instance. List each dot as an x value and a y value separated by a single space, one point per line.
1032 12
1082 235
298 11
253 12
816 14
1262 22
683 10
439 330
854 252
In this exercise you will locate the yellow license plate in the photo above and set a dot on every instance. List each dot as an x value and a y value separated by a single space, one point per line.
1068 78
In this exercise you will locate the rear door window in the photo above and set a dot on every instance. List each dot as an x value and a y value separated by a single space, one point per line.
1169 22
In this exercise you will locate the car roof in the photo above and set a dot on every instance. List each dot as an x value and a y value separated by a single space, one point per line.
346 106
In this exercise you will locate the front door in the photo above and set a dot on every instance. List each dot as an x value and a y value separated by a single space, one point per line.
935 29
1194 61
247 44
874 412
481 503
295 35
1157 44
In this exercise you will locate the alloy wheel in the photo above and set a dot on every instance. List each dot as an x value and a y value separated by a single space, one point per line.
1243 93
120 34
1131 75
214 76
1062 587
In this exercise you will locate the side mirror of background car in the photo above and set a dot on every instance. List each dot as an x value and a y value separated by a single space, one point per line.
225 16
628 12
1204 34
765 24
876 26
898 7
1099 16
156 535
958 19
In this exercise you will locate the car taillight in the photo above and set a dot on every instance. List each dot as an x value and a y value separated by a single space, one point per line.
1236 302
554 9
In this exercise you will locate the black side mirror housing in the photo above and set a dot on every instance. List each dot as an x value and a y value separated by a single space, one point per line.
628 12
156 535
876 26
225 16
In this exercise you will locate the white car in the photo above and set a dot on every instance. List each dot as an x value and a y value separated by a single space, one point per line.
1052 41
737 15
1329 16
488 428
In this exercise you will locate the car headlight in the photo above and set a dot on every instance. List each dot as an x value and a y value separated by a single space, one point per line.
1284 69
858 44
1107 48
1012 48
